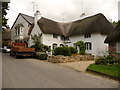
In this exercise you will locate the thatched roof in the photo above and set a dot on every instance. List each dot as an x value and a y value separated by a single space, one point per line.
49 26
114 36
94 24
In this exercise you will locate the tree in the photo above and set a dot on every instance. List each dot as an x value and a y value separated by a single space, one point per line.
81 46
36 38
37 43
5 7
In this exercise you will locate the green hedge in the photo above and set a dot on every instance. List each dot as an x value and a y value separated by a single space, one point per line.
41 55
66 51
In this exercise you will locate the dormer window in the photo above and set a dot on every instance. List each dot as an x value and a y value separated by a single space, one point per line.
87 35
55 35
18 29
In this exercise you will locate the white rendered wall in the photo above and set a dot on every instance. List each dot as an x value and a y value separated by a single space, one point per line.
97 40
49 40
36 30
118 47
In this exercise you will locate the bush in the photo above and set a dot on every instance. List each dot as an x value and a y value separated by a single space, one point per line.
81 46
62 51
40 47
109 60
41 55
100 61
73 50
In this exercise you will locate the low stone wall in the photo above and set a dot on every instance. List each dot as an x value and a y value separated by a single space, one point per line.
63 59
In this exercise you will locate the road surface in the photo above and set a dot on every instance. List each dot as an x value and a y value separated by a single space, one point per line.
32 73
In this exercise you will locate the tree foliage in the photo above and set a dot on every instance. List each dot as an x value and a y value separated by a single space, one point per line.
37 43
5 7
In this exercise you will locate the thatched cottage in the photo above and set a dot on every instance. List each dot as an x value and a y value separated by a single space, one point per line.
92 30
113 39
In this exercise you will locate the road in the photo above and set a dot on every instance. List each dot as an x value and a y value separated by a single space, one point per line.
32 73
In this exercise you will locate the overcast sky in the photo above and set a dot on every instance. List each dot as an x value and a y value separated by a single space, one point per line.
70 10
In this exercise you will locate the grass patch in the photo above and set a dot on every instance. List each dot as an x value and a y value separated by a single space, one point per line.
108 70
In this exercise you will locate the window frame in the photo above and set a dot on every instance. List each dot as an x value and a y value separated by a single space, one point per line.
54 46
87 35
55 35
88 46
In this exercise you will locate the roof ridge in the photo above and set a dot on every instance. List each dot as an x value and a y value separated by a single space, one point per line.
26 15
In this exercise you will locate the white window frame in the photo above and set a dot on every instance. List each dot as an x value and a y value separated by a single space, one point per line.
88 46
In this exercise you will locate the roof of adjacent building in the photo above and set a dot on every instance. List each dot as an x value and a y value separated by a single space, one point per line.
28 19
114 36
93 24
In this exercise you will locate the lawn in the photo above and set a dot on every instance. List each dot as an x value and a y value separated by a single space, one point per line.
108 70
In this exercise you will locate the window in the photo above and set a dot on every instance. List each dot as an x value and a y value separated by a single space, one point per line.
54 46
87 35
88 46
67 38
62 37
16 31
61 45
19 31
55 36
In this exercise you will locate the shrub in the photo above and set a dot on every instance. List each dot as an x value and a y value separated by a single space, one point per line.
109 60
81 46
41 55
100 61
62 51
73 50
40 47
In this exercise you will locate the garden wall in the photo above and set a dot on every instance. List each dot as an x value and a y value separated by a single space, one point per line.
64 59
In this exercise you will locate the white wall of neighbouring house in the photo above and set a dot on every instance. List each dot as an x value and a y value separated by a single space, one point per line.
99 48
49 40
36 30
25 29
118 47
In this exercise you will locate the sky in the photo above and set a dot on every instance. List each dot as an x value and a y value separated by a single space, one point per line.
63 10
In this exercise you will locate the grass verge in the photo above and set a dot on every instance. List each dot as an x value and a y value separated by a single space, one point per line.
112 71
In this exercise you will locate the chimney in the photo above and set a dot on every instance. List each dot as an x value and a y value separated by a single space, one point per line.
37 16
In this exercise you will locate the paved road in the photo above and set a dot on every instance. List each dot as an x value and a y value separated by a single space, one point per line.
31 73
